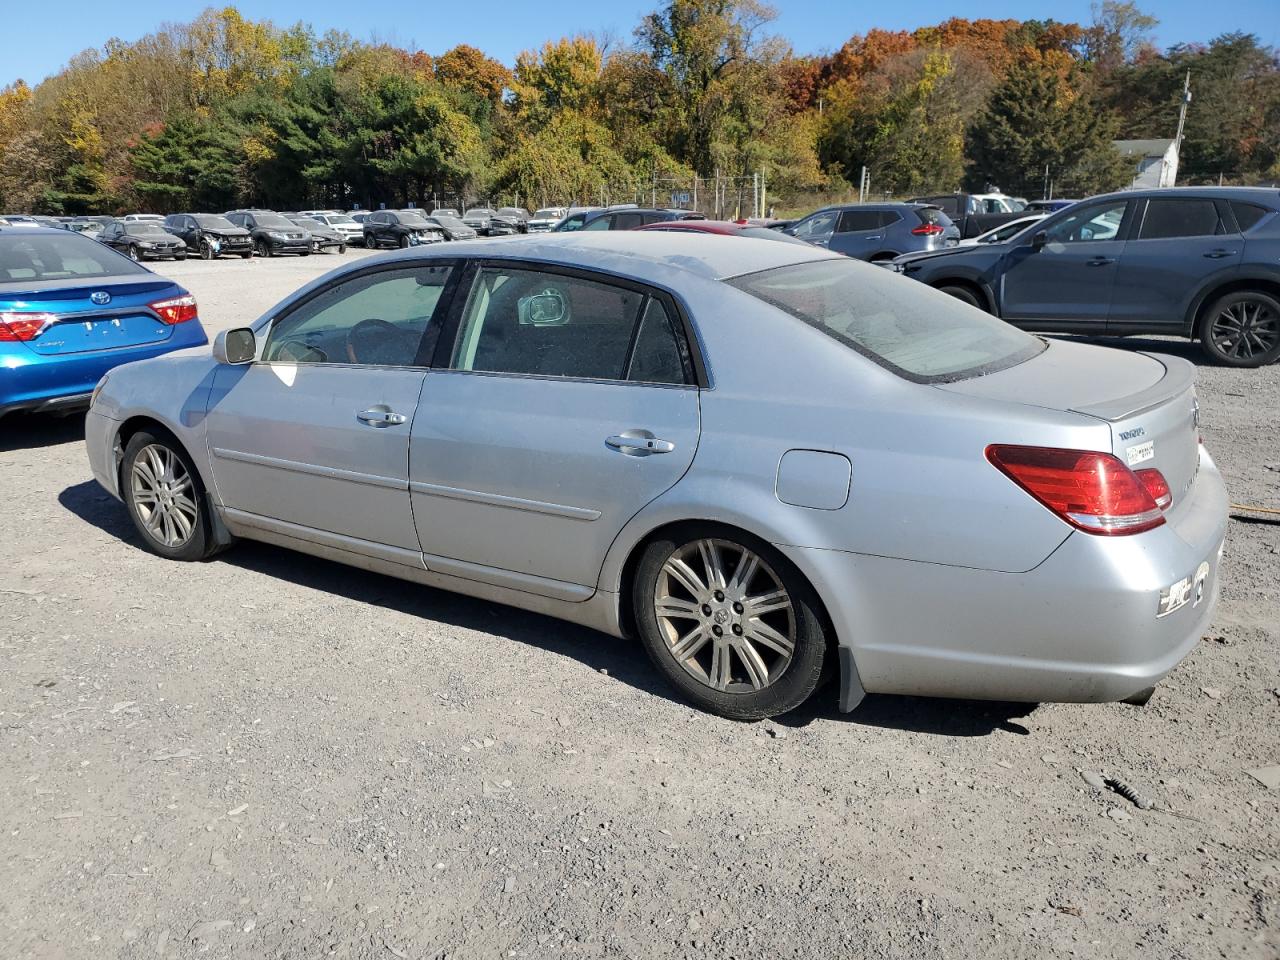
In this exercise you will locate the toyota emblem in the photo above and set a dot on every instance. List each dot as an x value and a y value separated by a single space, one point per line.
100 297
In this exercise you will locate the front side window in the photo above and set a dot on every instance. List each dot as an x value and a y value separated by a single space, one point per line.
1167 219
909 328
599 223
532 323
818 225
1096 222
377 319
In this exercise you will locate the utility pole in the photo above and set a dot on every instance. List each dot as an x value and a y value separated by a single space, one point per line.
755 195
863 183
1182 121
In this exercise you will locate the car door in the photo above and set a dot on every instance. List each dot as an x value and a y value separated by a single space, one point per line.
313 437
1067 282
858 234
111 235
560 405
1178 245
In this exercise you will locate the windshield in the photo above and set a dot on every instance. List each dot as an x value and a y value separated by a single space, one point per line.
547 213
479 212
411 218
453 223
59 256
913 330
209 221
338 218
309 224
145 229
273 221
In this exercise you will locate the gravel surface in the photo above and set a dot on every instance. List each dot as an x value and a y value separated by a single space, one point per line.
269 755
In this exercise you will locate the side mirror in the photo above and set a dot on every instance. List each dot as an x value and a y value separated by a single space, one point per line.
1040 239
235 346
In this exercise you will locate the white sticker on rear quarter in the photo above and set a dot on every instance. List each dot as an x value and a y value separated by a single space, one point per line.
1140 453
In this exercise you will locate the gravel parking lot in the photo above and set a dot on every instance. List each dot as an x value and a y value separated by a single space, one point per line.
269 755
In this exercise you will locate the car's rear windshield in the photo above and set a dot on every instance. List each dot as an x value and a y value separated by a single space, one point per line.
211 221
905 326
932 215
65 256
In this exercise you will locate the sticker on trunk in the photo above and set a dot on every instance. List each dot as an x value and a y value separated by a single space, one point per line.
1187 590
1140 453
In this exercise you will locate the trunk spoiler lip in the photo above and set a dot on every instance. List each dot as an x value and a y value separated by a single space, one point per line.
1179 376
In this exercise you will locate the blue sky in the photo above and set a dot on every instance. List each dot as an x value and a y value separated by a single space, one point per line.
39 37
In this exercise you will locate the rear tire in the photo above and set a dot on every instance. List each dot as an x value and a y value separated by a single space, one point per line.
964 294
1242 329
731 661
165 498
342 248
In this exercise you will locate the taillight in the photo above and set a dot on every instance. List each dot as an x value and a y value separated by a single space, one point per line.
24 326
927 230
1094 492
1156 485
177 310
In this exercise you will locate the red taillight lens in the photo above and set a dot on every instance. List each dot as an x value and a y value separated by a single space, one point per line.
23 326
1094 492
1156 485
177 310
927 230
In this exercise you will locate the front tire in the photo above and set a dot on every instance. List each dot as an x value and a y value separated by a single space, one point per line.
729 622
1242 329
403 242
342 248
963 294
264 249
206 250
164 497
134 253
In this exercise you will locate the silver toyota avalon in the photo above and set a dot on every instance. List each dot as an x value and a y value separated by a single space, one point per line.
769 463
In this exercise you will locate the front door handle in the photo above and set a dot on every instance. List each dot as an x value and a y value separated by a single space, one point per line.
381 416
638 443
1219 254
1101 261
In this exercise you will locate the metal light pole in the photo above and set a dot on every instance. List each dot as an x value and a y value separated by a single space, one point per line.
1182 122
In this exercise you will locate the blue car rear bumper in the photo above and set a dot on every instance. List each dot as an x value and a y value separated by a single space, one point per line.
29 381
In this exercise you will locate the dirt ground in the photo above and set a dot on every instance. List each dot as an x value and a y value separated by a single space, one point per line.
268 755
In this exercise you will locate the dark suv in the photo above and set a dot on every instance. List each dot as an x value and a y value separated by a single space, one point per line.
272 233
1197 262
209 234
877 231
399 228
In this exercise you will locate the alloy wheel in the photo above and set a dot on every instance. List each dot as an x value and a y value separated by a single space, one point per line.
163 495
725 616
1245 330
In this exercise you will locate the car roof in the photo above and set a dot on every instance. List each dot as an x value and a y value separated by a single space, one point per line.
646 256
1268 195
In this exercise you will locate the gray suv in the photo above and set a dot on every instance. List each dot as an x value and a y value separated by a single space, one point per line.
877 231
1197 262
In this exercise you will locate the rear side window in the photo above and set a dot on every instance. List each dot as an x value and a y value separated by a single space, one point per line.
854 220
931 215
909 328
1247 214
66 256
532 323
628 221
1166 219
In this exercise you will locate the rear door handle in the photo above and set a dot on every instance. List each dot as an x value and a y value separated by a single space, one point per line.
1219 254
1101 261
638 443
381 416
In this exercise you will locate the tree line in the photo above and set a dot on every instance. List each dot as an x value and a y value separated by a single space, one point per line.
226 111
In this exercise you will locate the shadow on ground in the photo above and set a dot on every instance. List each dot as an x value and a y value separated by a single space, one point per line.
621 659
30 431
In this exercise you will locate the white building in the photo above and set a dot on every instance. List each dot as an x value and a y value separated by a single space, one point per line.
1155 162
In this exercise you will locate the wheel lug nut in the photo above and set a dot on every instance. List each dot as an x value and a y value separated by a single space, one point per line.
737 629
737 608
717 630
706 609
719 596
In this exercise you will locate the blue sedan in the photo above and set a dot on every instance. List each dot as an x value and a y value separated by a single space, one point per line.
71 309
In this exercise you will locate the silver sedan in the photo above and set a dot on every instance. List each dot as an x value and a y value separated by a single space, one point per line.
768 463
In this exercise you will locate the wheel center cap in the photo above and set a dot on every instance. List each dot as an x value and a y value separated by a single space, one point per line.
721 616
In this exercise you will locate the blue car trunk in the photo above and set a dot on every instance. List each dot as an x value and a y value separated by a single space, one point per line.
83 325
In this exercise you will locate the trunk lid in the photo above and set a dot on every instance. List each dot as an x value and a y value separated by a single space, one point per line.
81 325
1148 400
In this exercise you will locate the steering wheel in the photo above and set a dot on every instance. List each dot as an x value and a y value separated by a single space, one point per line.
377 341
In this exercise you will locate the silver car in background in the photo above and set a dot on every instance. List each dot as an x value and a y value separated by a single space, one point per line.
768 462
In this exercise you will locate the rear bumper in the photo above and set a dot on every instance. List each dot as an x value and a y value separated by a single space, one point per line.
29 381
99 444
1080 627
